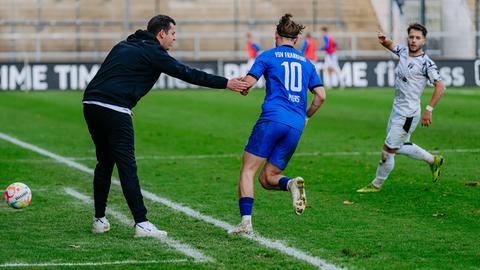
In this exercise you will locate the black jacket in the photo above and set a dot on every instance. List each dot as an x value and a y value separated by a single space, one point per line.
133 66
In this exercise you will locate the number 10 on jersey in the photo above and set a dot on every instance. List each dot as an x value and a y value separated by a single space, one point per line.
293 76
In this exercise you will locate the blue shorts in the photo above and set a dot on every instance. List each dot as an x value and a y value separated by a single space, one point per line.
274 141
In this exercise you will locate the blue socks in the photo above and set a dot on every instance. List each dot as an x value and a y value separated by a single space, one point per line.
245 204
283 183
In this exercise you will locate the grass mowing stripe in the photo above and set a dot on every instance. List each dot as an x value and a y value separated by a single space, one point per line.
49 264
465 92
183 248
305 154
274 244
339 153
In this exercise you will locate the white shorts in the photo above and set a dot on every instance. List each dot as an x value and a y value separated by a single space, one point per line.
400 128
331 60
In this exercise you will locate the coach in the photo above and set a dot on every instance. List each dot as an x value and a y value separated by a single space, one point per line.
128 73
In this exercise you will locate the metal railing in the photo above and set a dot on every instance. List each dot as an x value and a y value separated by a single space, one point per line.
352 45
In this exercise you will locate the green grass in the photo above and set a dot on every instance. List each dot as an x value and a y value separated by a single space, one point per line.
395 229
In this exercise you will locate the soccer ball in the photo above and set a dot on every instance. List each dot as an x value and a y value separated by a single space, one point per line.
18 195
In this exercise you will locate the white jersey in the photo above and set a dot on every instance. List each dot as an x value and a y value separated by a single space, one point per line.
411 75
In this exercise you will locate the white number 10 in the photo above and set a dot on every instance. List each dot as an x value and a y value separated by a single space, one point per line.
293 76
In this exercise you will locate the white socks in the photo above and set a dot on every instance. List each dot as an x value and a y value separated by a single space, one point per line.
247 219
384 168
414 151
388 161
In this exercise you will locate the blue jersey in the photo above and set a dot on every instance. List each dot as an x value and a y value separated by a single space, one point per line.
288 75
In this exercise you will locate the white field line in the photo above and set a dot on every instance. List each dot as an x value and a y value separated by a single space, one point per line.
44 152
193 157
274 244
183 248
126 262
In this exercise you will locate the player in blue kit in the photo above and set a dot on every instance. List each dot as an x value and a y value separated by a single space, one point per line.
274 138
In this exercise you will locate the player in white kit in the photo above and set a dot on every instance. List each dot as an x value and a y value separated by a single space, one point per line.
413 70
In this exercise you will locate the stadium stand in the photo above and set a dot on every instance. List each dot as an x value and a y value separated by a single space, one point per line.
53 30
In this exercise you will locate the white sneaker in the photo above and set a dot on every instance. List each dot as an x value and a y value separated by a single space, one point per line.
299 198
242 228
147 229
100 225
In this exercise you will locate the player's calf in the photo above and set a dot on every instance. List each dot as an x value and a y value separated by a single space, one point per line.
264 182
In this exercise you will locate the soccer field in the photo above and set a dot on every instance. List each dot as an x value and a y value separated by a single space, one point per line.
188 147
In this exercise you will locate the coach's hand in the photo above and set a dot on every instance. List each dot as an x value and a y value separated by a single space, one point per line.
237 85
426 118
244 92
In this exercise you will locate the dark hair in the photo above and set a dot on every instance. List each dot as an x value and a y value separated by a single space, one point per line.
324 28
418 27
288 28
159 22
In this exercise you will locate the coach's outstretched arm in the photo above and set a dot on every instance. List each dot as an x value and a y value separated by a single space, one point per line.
386 42
437 94
318 99
170 66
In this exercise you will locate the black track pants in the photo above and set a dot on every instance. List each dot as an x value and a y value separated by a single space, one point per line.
112 134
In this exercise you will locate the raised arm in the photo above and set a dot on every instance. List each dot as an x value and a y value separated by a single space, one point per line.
437 94
385 42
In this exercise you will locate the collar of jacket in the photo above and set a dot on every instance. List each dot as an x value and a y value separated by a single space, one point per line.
143 36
